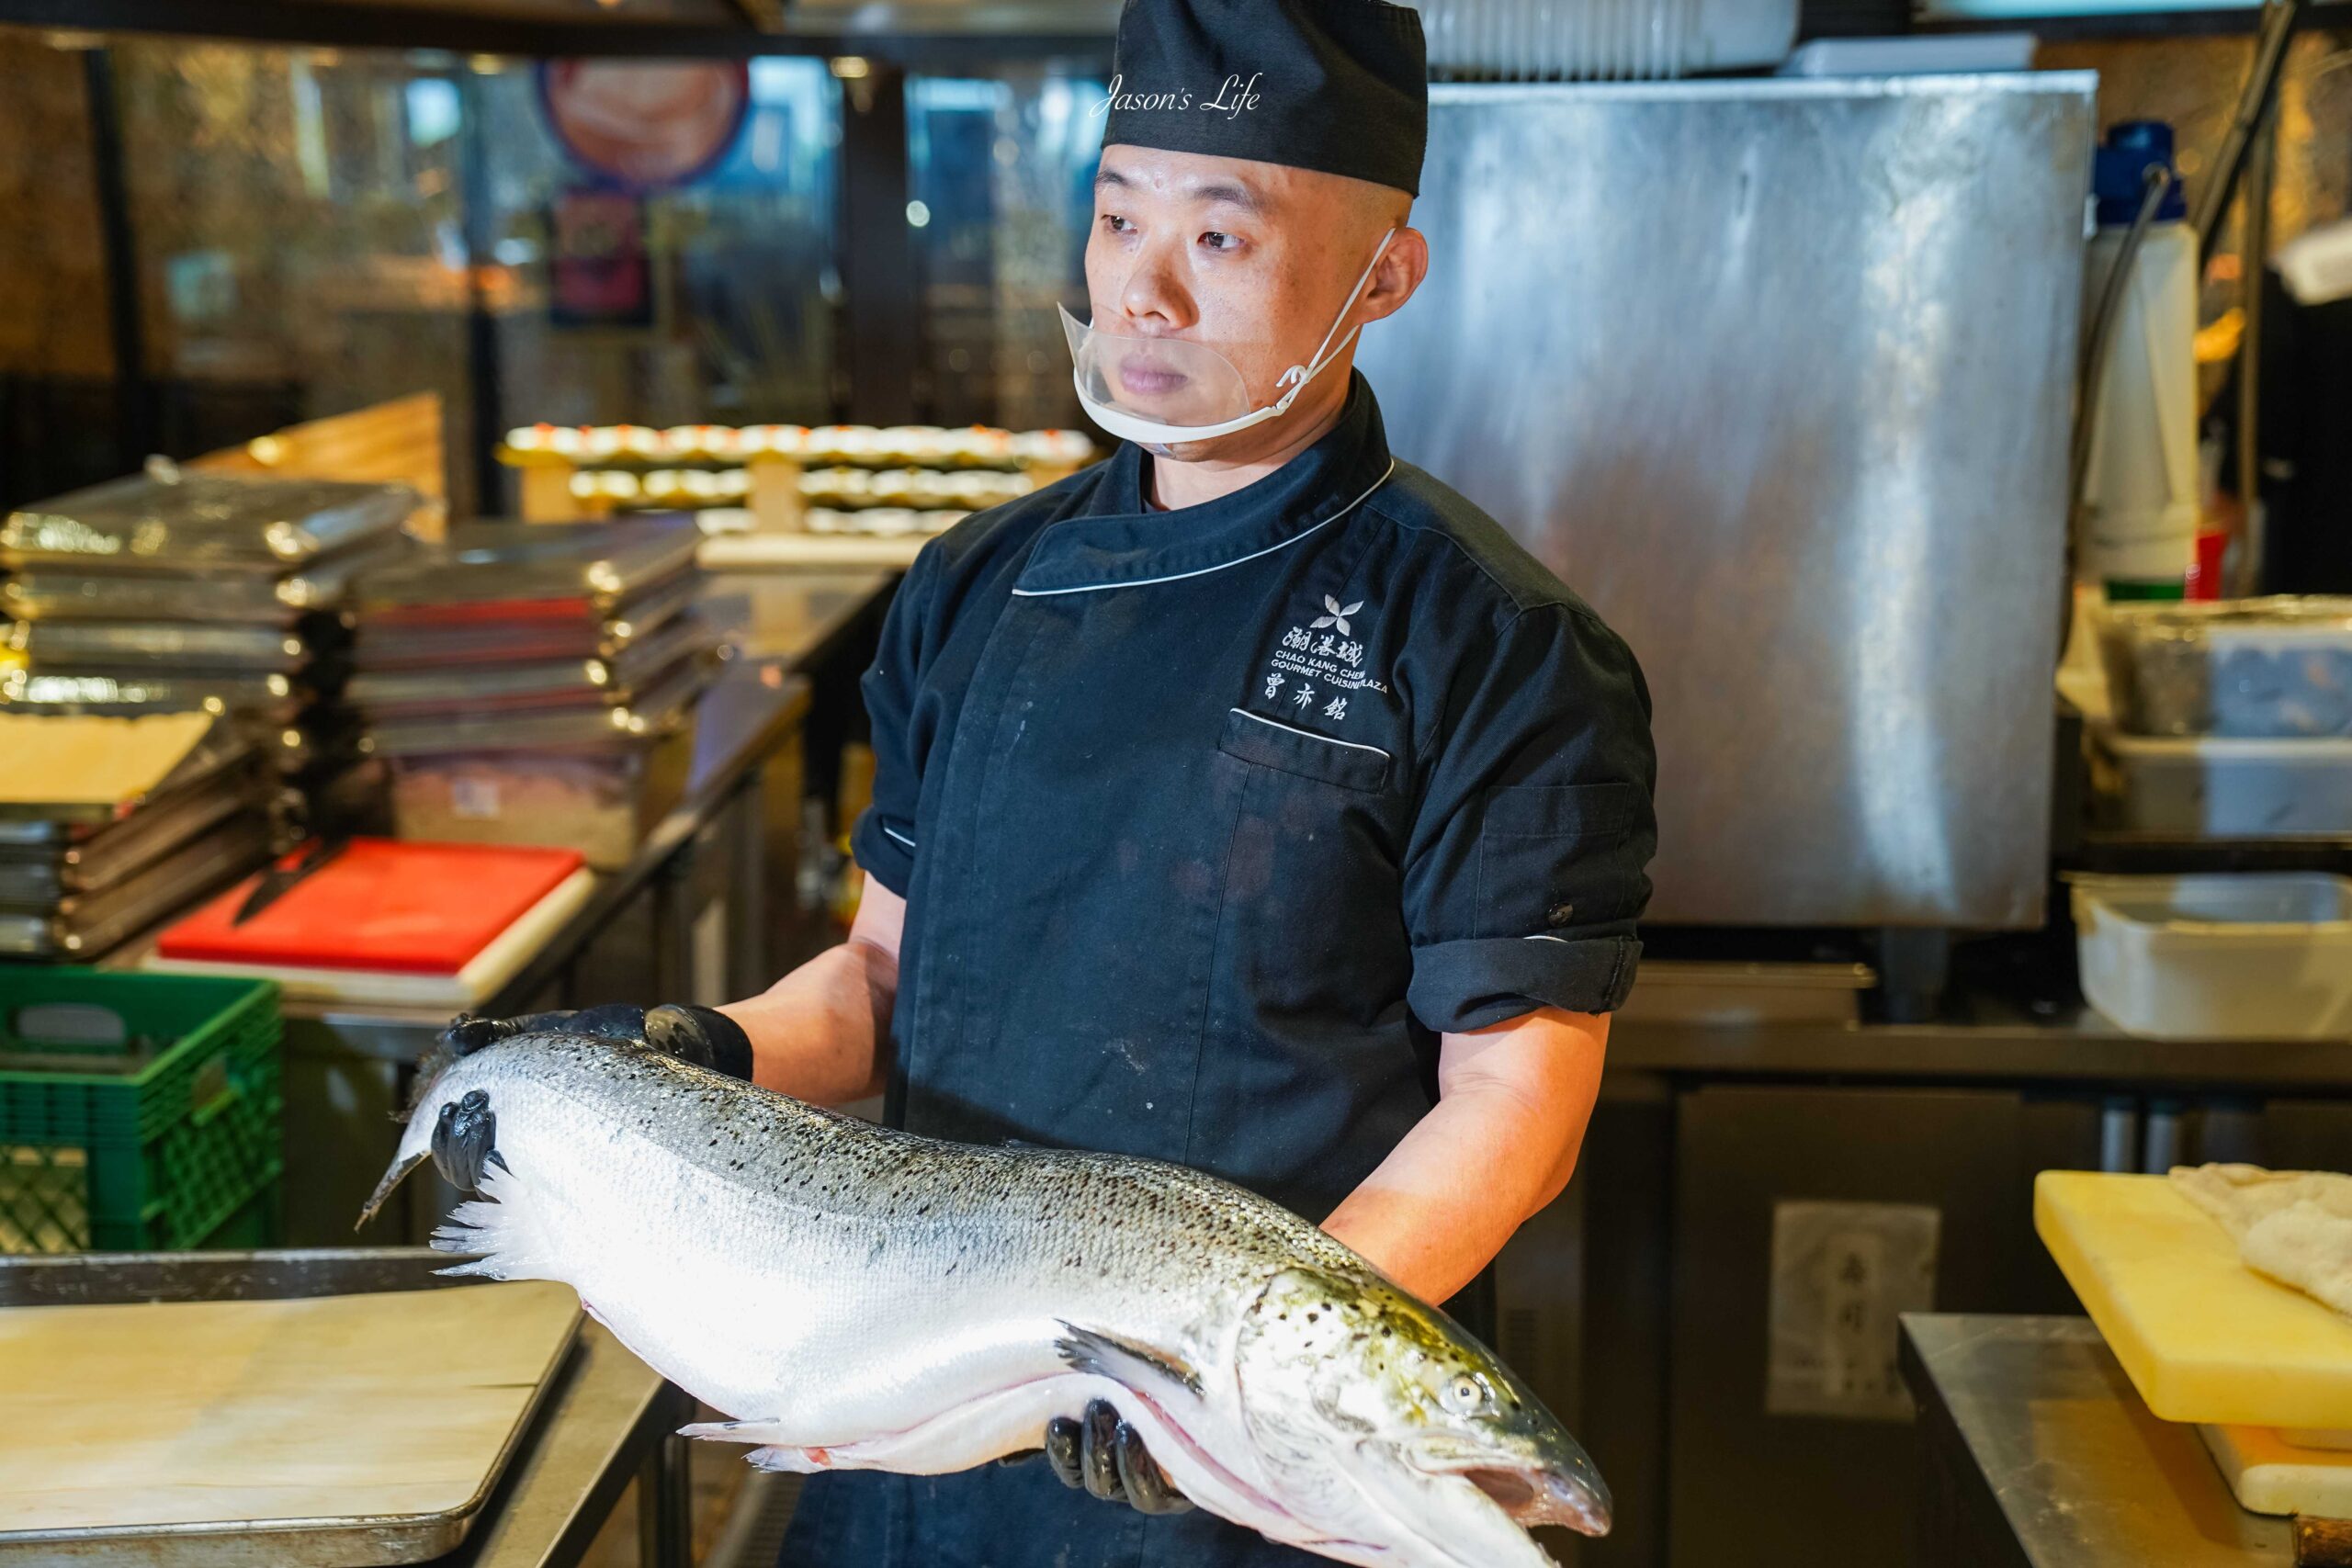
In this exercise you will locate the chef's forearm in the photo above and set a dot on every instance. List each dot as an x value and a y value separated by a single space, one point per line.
1499 1146
822 1032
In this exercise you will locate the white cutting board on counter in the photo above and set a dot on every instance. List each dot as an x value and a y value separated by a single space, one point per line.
2273 1475
405 1404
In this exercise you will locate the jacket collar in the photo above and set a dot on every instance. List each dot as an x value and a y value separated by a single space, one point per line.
1121 544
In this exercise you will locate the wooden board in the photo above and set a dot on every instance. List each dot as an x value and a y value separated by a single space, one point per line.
820 552
399 442
90 760
2204 1337
2272 1476
190 1413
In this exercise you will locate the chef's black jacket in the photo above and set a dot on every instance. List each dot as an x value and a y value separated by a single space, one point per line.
1208 823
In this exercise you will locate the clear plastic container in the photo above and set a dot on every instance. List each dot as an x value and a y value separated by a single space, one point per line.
2250 956
600 800
2210 788
2249 669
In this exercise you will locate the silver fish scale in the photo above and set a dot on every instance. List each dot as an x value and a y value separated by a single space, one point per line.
781 1261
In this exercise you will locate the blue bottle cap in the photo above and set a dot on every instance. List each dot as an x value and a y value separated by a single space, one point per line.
2118 172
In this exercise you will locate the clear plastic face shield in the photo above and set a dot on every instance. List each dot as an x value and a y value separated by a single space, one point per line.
1159 392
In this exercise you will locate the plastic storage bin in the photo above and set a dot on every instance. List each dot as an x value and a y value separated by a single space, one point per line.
602 801
2211 787
2253 669
2253 956
137 1111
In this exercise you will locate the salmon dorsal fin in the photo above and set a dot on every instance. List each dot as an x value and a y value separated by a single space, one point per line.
1124 1362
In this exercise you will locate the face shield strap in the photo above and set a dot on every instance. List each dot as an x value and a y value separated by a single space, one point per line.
1298 375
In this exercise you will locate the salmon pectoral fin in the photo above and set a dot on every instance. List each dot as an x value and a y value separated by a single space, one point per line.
1140 1367
1003 1421
767 1429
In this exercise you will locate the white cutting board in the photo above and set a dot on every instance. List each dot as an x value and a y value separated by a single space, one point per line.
2271 1475
188 1413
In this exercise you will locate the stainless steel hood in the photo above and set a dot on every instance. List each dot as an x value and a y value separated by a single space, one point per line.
1776 374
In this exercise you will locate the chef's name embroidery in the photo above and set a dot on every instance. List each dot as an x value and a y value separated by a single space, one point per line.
1314 669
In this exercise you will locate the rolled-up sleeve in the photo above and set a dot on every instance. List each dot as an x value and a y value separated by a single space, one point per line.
885 839
1527 868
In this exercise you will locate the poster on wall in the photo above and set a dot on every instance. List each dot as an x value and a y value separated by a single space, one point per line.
600 269
645 125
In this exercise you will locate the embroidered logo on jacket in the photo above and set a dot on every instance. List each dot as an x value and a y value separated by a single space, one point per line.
1338 617
1314 669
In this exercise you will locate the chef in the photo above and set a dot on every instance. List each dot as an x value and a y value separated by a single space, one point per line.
1248 800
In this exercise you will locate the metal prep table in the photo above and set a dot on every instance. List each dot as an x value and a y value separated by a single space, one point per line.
1641 1303
2037 1452
610 1419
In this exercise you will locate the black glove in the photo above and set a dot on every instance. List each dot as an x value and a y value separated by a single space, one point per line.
704 1036
1106 1456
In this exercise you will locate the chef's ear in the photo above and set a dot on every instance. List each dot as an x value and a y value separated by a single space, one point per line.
1398 274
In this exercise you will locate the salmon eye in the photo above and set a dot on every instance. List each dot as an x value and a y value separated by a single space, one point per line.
1463 1394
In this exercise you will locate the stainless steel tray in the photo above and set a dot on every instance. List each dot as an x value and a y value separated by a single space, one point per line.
567 570
82 927
160 646
425 637
127 692
53 595
95 1278
201 522
615 681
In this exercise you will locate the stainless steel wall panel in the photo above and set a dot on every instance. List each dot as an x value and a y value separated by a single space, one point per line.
1776 375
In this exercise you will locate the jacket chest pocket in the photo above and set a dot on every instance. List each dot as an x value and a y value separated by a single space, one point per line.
1273 744
1313 922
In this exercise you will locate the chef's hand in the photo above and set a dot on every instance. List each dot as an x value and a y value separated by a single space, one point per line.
704 1036
1106 1456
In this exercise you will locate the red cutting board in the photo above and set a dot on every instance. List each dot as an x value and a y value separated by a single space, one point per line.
382 904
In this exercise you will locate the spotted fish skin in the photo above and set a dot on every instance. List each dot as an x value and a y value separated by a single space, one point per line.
855 1296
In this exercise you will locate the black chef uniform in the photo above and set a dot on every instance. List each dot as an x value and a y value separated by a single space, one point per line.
1208 823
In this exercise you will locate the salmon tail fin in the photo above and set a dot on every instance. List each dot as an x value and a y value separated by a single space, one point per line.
503 1227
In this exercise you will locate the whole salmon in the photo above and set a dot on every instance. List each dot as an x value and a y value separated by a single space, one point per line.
860 1298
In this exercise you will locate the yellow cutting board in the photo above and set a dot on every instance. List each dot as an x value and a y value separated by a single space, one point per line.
2272 1476
2204 1337
190 1413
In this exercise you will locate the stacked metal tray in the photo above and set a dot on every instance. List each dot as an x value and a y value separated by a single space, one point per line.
81 873
171 591
534 683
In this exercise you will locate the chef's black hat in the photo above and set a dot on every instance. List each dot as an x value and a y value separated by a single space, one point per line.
1339 85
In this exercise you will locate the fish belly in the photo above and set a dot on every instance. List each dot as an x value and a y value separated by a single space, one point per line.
780 1320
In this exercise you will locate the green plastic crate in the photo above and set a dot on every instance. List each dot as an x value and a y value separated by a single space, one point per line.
159 1147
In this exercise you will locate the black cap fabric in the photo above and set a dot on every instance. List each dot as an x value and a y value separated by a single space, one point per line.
1339 85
